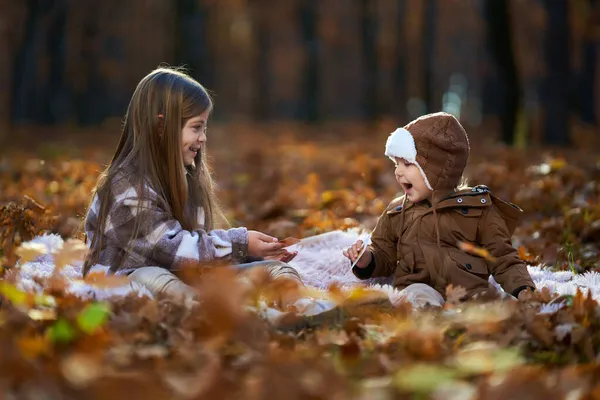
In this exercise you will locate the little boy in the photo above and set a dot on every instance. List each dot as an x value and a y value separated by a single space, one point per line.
417 237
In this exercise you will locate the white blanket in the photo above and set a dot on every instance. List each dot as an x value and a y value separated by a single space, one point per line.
320 263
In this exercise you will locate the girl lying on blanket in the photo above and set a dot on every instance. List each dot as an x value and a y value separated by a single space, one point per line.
420 236
154 206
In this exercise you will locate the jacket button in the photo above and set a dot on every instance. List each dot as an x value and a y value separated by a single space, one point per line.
464 211
240 253
468 266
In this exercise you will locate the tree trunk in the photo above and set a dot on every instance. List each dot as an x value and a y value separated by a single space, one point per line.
261 104
555 93
429 33
310 97
191 40
400 96
11 36
587 75
369 51
39 93
499 32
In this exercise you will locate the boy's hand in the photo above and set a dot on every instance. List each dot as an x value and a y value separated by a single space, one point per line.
525 294
353 251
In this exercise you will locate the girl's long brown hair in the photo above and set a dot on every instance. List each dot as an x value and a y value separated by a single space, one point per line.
151 142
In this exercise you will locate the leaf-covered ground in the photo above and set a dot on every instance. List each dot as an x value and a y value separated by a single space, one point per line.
298 182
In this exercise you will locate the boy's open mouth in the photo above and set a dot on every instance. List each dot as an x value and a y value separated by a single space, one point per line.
407 186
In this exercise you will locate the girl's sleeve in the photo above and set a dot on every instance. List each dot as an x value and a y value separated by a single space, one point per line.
160 237
507 269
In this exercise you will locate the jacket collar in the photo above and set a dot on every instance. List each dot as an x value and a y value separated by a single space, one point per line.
470 197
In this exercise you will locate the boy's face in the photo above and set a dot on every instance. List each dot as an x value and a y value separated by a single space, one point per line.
411 180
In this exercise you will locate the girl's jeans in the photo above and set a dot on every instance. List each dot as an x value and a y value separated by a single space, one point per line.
161 281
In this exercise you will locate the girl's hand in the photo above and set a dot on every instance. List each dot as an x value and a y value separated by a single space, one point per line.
353 251
261 245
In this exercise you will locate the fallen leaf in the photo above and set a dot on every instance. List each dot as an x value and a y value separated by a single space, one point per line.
29 251
33 346
423 378
42 315
71 251
93 317
61 332
455 294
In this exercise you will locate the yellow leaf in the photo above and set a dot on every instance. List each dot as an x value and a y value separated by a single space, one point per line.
557 163
44 300
42 315
14 295
30 251
72 250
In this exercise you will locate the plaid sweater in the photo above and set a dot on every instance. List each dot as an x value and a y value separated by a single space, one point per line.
161 241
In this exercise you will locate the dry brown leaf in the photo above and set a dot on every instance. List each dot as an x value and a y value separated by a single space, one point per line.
29 251
72 250
455 294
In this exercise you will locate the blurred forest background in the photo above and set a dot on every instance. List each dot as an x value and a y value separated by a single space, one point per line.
523 70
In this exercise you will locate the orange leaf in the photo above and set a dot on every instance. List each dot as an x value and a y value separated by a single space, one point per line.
32 347
72 250
290 241
475 250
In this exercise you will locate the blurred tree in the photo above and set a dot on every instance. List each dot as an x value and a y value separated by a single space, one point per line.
555 87
191 42
429 35
12 35
39 93
307 12
93 99
263 68
586 79
401 60
500 44
369 52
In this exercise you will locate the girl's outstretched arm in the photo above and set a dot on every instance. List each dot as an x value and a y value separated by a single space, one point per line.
151 236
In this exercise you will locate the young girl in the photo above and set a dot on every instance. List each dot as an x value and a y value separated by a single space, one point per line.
417 237
154 206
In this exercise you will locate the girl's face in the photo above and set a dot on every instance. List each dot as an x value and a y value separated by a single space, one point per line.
409 177
193 137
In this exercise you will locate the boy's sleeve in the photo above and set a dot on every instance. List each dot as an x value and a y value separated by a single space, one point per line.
161 237
508 269
383 247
